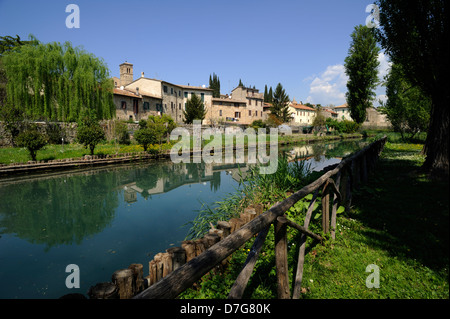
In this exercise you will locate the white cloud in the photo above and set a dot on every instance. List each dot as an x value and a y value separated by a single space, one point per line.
384 67
329 87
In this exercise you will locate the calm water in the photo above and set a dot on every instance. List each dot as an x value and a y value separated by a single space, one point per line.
104 219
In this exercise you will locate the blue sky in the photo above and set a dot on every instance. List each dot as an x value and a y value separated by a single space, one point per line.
300 44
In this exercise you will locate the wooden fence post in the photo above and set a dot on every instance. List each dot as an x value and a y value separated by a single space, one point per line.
326 209
364 174
337 198
283 289
301 251
238 288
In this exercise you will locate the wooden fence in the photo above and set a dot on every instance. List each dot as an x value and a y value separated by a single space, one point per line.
179 268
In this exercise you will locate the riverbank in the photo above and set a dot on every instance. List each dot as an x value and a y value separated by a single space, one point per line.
398 222
69 156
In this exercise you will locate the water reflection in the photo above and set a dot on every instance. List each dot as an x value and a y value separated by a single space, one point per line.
67 208
105 218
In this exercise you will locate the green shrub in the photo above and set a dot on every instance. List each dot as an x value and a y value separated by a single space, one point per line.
122 135
89 132
32 139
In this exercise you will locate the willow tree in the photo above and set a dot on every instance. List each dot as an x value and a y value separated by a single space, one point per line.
56 81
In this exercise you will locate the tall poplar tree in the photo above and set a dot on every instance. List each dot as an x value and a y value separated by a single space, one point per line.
361 66
56 81
415 34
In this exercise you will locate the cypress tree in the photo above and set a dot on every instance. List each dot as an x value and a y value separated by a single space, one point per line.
270 96
280 108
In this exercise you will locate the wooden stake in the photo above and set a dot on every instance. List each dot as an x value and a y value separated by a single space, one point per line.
178 257
104 290
138 274
123 279
225 227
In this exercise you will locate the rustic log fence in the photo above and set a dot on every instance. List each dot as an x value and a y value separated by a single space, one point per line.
179 268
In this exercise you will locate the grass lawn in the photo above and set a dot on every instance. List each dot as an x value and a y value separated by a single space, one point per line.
398 221
10 155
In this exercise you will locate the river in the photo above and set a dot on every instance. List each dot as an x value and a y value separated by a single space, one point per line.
104 219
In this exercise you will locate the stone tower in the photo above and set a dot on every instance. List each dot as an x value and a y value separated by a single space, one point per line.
126 73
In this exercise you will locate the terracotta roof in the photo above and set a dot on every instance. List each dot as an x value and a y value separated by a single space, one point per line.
345 105
194 87
228 100
130 93
302 107
332 112
124 92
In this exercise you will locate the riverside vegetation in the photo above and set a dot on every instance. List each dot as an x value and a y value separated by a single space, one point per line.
398 221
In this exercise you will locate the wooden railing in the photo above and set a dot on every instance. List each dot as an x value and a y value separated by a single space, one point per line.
179 268
335 186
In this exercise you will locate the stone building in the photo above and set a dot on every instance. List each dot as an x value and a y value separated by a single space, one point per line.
375 119
136 99
226 109
134 105
243 106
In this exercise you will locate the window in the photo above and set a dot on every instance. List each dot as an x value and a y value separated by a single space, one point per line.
179 93
171 90
249 102
124 105
146 106
179 106
185 94
237 115
135 106
220 112
202 95
171 106
256 113
165 88
249 112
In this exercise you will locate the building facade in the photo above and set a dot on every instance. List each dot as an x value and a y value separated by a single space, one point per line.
301 114
343 112
137 99
243 106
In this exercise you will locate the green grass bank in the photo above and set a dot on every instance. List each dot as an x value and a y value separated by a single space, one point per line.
398 221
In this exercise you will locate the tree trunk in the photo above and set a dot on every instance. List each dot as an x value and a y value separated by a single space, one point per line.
436 145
